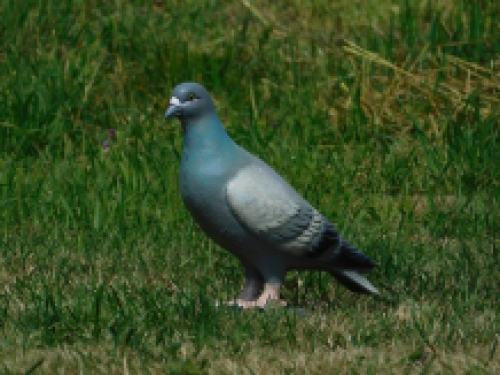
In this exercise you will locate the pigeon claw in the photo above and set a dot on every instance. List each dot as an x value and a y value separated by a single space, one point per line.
269 298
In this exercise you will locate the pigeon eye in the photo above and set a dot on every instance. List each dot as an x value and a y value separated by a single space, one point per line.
191 97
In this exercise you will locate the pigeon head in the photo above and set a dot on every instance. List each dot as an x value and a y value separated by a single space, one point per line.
190 101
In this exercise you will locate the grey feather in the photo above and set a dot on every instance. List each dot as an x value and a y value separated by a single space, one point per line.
273 211
355 282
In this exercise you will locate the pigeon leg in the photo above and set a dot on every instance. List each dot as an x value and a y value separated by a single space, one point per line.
270 294
251 290
273 273
253 284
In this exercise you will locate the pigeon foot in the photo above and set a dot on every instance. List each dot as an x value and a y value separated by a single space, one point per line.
269 297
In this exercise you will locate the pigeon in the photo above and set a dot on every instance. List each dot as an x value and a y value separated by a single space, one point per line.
251 211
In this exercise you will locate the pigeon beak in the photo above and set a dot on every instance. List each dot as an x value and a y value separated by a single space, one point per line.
175 108
173 111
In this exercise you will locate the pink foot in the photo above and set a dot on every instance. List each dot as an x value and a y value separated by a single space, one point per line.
269 297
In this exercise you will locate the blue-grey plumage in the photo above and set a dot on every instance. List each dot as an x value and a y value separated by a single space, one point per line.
248 209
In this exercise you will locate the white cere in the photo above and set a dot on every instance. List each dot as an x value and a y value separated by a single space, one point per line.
175 101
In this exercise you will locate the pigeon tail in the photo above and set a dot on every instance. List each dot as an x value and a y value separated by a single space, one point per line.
332 249
349 257
354 281
347 264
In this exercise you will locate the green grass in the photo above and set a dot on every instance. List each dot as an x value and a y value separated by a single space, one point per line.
383 114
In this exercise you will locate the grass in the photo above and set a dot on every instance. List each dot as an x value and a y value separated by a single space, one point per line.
383 114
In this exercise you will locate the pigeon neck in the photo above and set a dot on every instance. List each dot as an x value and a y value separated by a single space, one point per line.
205 133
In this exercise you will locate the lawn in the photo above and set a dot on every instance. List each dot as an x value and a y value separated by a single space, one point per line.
383 114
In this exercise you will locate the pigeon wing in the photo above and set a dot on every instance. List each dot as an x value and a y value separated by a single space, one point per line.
274 212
